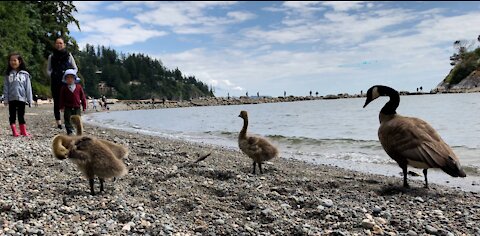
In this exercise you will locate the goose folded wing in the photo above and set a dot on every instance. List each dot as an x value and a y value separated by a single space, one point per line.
415 140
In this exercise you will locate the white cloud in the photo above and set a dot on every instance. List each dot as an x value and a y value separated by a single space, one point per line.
113 31
332 47
240 16
192 17
344 5
87 6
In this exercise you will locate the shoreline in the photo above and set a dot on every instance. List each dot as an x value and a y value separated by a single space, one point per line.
165 193
116 104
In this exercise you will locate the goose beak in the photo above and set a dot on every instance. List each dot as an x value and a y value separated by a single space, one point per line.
367 102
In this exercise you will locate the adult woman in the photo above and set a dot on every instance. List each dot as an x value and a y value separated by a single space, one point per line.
58 62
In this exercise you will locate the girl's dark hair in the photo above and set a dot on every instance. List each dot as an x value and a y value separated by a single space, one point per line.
20 59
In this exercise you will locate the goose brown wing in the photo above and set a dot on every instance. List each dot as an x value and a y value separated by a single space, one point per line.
415 141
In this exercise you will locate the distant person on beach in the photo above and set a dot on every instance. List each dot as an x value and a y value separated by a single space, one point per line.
71 97
94 104
58 62
35 100
104 102
284 93
17 91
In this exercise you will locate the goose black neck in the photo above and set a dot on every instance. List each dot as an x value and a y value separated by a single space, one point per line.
390 107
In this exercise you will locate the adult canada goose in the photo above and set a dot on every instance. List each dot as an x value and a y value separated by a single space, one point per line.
411 141
257 148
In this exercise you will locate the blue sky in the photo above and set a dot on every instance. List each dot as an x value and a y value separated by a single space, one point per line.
297 47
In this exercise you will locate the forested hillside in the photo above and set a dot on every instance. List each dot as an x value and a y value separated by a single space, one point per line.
31 28
135 76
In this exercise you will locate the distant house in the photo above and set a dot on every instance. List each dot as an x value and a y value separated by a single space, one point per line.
134 82
104 89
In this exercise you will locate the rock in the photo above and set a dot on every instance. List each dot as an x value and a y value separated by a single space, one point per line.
377 230
219 222
126 227
430 229
381 221
411 233
419 199
376 210
368 224
327 203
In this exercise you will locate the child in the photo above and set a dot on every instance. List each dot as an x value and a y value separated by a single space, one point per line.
17 90
71 97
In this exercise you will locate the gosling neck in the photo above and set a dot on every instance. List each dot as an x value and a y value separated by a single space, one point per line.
243 132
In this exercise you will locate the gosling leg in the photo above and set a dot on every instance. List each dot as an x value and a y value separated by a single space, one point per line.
405 184
92 191
101 184
426 180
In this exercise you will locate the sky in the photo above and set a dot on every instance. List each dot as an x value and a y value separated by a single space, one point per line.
296 47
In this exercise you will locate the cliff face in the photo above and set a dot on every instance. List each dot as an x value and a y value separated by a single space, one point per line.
469 84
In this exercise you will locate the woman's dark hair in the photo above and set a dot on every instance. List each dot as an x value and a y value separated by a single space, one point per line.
22 65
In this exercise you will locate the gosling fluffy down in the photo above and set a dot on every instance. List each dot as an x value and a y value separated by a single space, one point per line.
411 141
118 150
93 156
257 148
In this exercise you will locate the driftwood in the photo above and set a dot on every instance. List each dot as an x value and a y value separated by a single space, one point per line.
202 158
195 162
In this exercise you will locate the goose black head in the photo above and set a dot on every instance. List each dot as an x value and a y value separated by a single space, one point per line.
379 90
372 94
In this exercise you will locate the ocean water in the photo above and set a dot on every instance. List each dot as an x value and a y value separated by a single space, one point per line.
334 132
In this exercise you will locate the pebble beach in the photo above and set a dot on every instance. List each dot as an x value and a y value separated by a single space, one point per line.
166 193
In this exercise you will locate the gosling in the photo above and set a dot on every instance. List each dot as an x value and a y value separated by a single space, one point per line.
257 148
118 150
94 157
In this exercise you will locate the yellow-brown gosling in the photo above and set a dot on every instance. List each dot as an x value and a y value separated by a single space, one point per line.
94 157
257 148
411 141
118 150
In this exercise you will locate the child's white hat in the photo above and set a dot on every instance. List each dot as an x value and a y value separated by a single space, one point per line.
71 72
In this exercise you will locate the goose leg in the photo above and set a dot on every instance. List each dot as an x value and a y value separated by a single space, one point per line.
260 167
405 184
92 191
253 168
101 184
426 180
